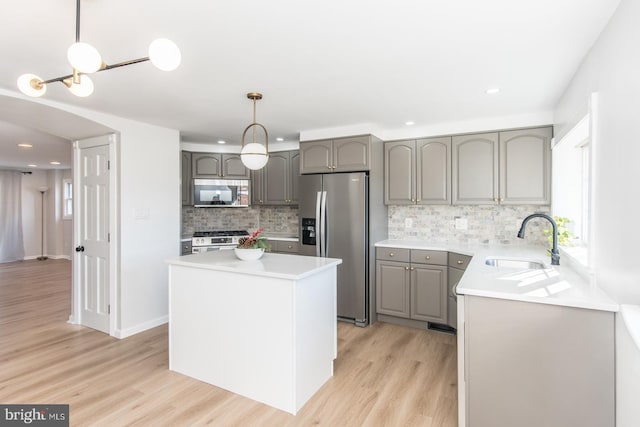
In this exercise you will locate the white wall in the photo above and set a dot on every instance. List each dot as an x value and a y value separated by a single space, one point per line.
611 69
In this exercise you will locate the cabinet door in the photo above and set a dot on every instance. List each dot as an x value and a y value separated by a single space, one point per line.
276 177
294 176
232 167
429 293
257 186
399 173
454 276
475 169
316 157
187 183
206 165
351 154
392 288
433 176
525 166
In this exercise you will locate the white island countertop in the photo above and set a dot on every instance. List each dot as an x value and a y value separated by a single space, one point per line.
280 266
555 284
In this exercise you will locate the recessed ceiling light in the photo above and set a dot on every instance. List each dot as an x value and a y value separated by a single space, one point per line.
220 141
493 90
33 166
279 139
409 123
25 145
54 163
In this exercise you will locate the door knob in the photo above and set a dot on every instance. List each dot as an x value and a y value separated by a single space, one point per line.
79 248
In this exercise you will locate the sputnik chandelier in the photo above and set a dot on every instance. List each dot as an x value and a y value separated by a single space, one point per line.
85 59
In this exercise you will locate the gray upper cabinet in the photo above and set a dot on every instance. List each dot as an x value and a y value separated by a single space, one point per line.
277 182
417 172
187 188
525 166
218 165
351 154
475 169
511 167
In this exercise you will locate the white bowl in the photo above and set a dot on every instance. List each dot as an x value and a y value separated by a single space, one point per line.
248 254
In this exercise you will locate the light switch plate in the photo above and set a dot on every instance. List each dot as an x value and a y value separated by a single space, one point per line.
408 223
461 223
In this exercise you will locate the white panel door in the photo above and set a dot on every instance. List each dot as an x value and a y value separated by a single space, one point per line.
92 252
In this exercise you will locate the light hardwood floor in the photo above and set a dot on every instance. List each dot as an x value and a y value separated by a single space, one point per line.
385 375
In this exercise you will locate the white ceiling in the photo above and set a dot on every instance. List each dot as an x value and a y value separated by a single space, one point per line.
319 64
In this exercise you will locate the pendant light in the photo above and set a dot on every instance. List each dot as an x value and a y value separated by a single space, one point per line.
85 59
255 155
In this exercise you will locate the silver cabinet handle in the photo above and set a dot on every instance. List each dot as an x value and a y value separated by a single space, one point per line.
411 269
406 268
427 257
391 254
460 262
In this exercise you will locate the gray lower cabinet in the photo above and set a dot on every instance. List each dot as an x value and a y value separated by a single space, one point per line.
218 165
185 247
186 176
417 171
412 284
510 167
457 265
351 154
284 246
277 182
531 365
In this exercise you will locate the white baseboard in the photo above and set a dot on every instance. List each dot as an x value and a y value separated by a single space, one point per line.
29 257
124 333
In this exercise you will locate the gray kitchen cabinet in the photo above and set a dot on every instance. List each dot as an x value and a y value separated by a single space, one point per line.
412 284
510 167
457 265
417 172
218 165
284 246
475 169
277 182
186 176
393 288
525 166
350 154
530 365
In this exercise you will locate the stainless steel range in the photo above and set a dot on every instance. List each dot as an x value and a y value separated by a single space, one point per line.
205 241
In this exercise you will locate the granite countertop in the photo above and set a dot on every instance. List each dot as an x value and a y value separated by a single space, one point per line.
555 284
282 266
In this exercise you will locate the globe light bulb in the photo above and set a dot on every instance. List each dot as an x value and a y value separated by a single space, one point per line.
31 85
165 54
254 156
84 57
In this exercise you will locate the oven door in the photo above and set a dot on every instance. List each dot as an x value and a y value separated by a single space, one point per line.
203 249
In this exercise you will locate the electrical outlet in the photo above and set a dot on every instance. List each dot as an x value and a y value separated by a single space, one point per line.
408 223
461 223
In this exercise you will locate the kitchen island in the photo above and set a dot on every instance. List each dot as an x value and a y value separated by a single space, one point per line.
264 329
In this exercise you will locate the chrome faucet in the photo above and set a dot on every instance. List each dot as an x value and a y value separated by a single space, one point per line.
555 254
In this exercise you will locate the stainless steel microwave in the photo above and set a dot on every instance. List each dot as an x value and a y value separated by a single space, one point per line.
221 193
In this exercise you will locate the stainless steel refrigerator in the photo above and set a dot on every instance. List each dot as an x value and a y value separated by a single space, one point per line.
334 223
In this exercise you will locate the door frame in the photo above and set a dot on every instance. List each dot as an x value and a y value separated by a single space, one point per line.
114 230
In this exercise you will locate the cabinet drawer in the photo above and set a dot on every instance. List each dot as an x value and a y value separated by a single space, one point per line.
458 260
285 246
428 257
393 254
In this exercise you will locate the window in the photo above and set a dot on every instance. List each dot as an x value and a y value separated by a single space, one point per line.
67 207
571 190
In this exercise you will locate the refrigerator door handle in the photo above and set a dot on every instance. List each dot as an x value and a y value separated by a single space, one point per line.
323 224
325 234
318 219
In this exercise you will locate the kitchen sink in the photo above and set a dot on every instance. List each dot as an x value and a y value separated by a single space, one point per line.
514 263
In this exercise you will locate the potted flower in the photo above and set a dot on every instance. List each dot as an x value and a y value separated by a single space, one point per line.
252 247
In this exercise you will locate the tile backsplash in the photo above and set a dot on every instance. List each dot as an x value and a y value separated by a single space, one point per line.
274 219
485 224
434 223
